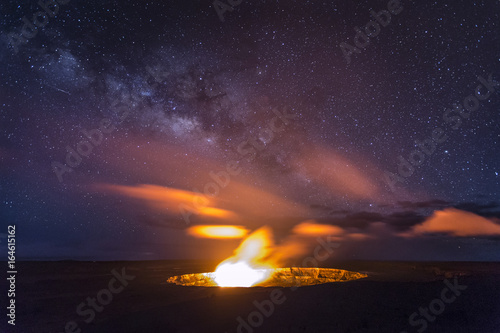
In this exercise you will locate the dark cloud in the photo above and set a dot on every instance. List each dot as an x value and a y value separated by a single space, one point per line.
491 209
398 221
434 204
401 221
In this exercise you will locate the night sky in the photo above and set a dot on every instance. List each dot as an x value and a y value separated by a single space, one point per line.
122 124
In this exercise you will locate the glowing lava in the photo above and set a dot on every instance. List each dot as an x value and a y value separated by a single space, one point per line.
239 275
251 265
247 267
278 277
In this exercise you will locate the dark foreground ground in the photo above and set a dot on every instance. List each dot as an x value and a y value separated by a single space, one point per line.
48 294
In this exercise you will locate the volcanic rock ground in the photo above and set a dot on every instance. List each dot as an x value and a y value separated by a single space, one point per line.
47 294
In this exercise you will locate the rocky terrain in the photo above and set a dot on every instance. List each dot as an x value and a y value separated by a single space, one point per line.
49 293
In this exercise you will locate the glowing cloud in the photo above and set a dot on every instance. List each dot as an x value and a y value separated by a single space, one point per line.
458 223
341 175
215 212
171 199
217 231
158 194
310 228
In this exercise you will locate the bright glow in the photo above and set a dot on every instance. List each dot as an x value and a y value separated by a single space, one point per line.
310 228
239 274
216 212
248 266
459 223
217 231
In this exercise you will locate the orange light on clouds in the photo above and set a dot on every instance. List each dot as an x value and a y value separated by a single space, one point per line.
216 212
341 175
458 223
310 228
157 193
217 231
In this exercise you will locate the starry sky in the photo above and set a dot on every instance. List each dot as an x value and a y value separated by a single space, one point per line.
124 124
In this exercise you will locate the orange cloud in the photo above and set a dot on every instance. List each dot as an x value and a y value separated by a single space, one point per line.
217 231
234 201
171 199
258 201
310 228
216 212
359 236
458 223
157 193
342 176
158 196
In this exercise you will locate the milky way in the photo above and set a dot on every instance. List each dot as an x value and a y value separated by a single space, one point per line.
118 119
